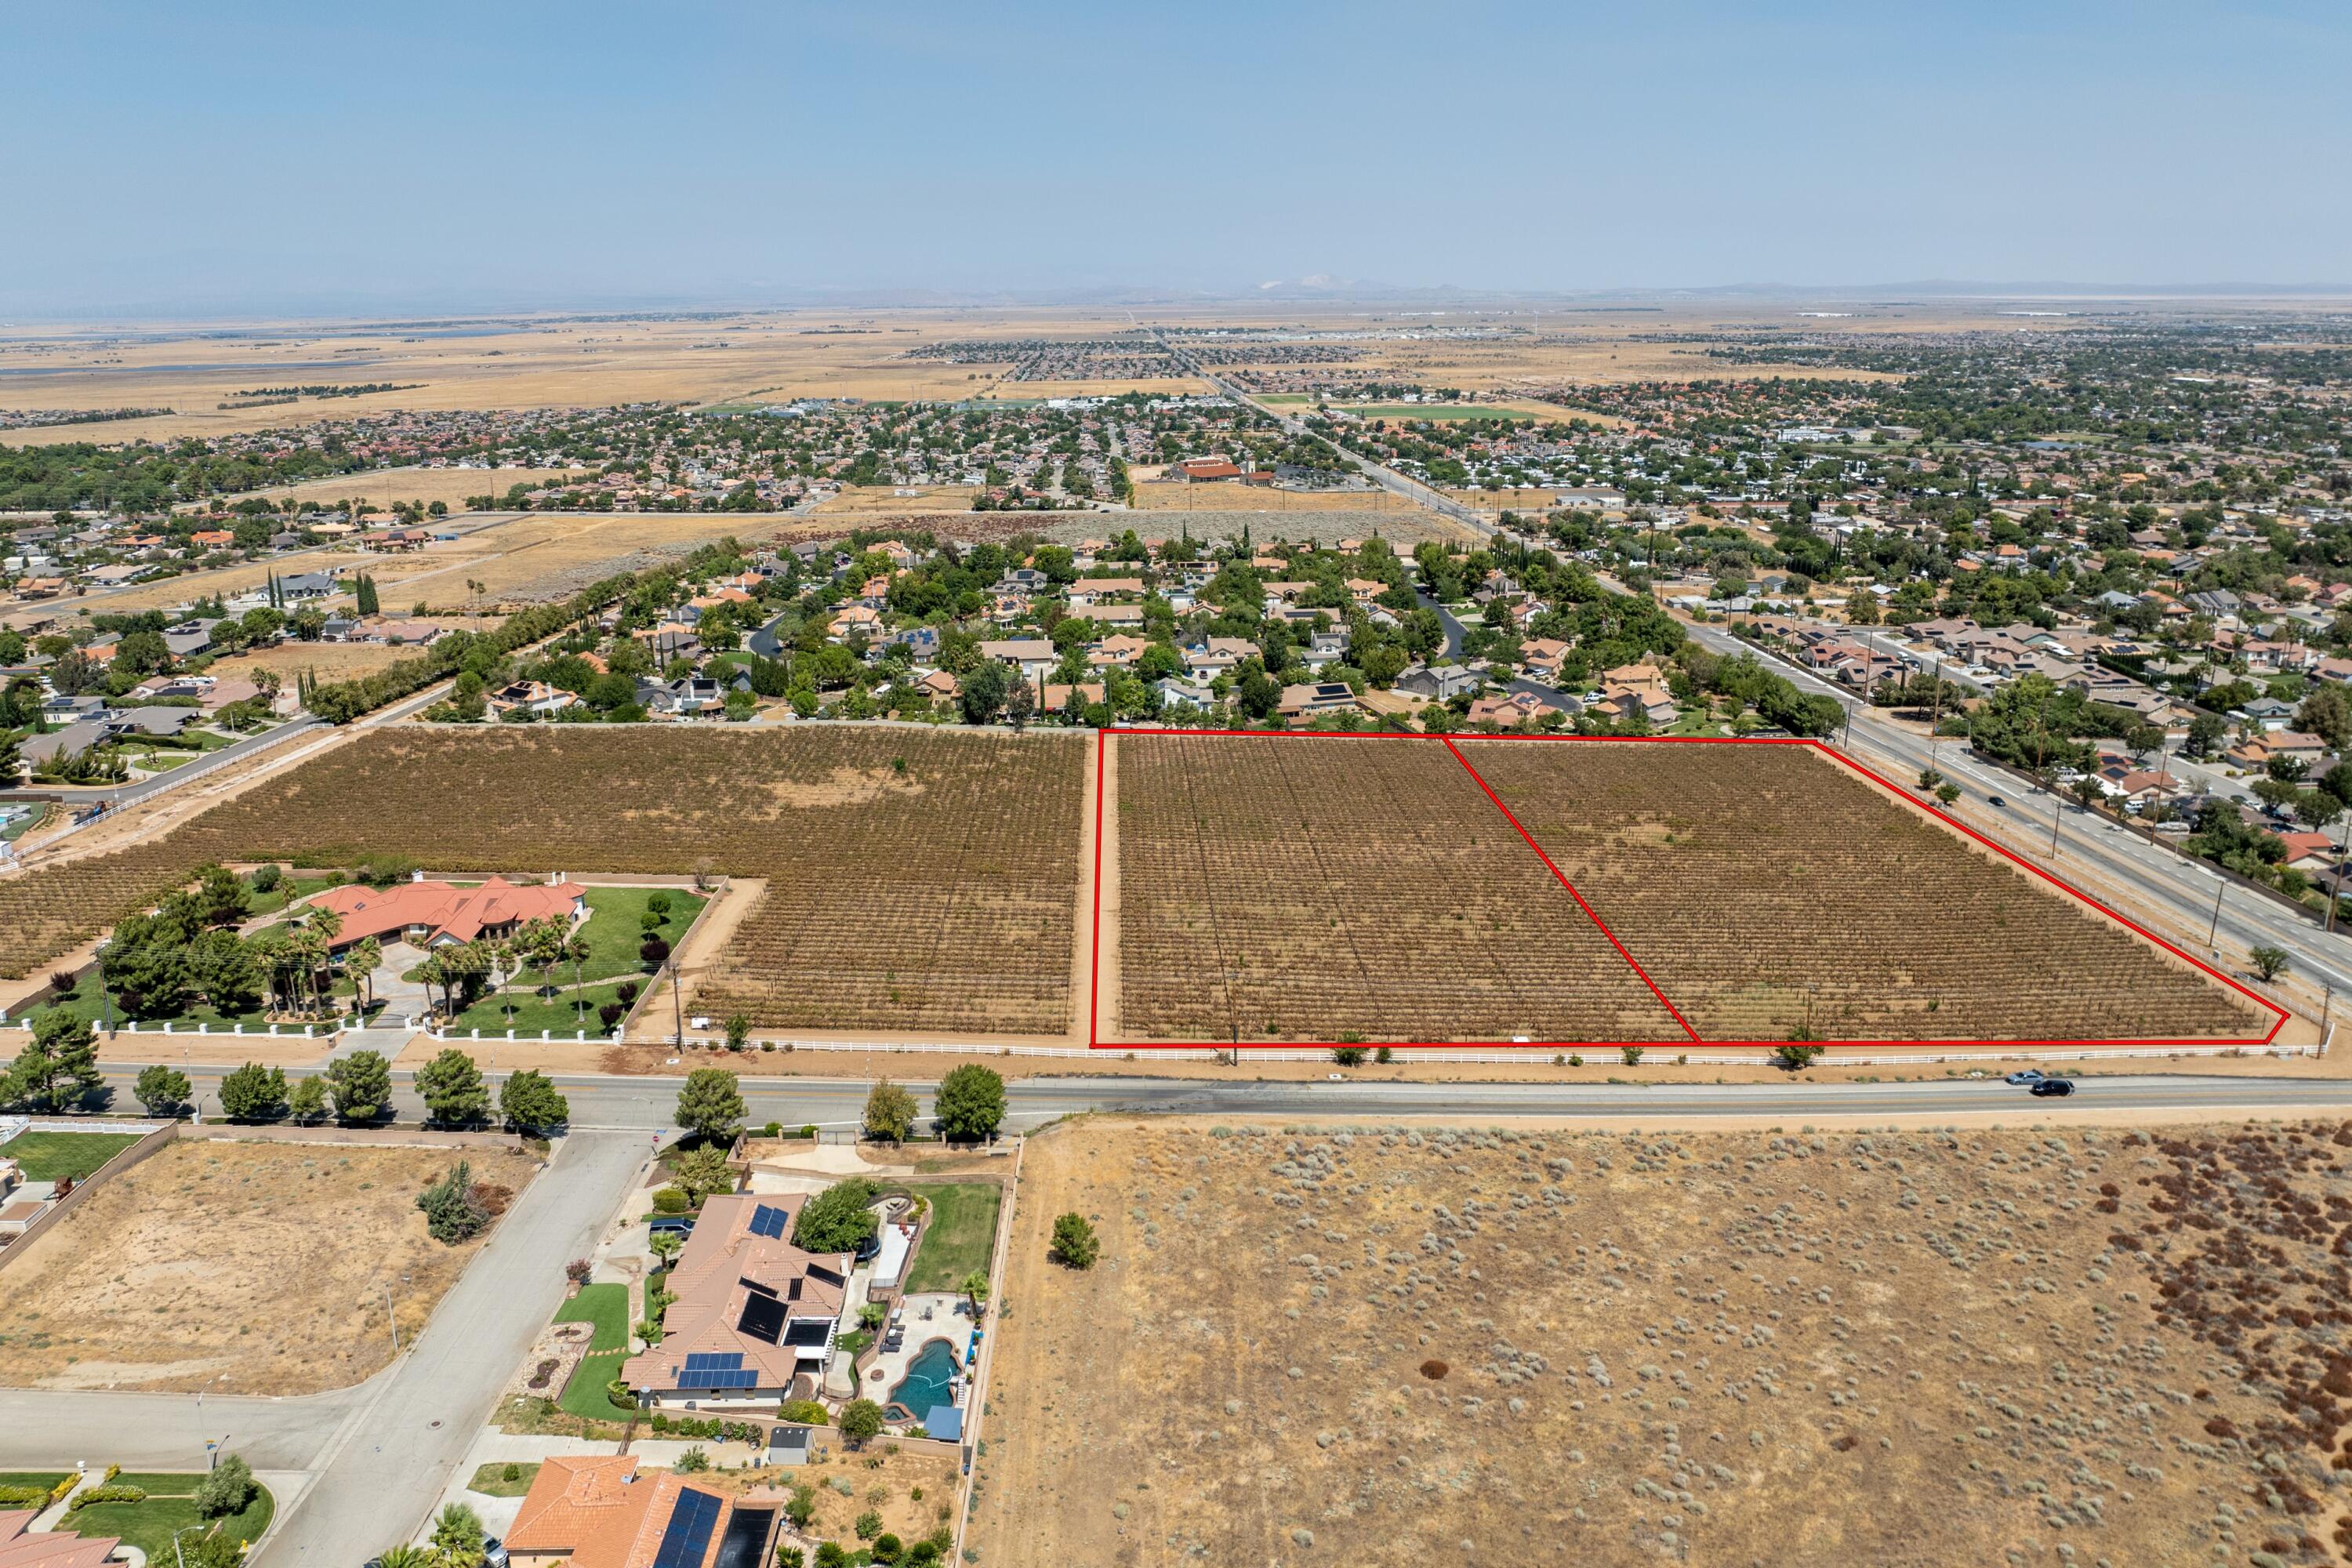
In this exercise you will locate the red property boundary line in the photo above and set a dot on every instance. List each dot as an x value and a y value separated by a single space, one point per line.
1093 999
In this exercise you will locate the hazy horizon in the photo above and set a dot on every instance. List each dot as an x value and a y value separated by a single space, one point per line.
284 161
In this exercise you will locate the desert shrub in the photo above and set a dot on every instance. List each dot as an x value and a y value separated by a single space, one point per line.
227 1488
1074 1244
672 1200
807 1412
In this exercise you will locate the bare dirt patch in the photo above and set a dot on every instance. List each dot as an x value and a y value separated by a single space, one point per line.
1929 1346
239 1269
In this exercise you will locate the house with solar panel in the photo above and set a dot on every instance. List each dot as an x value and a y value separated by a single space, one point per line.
755 1317
600 1512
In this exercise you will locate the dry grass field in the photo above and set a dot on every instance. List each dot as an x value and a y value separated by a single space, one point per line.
1766 889
1345 888
916 879
885 500
176 1275
330 660
1164 497
496 561
1405 1346
387 486
1366 889
525 362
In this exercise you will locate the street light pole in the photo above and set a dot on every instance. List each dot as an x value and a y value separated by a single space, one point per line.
105 998
2220 884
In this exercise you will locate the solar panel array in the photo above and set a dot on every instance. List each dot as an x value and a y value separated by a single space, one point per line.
768 1221
689 1535
762 1319
712 1369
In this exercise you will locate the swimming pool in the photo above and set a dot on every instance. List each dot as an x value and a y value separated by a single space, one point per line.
926 1380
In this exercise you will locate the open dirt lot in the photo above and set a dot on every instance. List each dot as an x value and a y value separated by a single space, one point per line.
238 1268
1394 1346
331 660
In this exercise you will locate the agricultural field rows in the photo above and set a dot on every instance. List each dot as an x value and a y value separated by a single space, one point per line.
916 879
1768 891
1331 889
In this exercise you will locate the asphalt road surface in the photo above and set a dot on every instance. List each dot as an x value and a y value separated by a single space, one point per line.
607 1103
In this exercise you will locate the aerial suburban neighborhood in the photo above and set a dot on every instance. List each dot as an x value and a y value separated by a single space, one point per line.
736 834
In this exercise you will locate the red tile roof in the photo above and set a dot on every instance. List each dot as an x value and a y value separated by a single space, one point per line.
445 908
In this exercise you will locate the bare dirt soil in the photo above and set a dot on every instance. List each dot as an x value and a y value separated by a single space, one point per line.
237 1268
1386 1345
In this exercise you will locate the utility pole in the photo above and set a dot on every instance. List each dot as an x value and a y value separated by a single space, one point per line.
390 1318
106 998
2220 884
678 1004
2057 805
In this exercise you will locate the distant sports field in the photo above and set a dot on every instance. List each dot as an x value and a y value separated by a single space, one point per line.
1331 888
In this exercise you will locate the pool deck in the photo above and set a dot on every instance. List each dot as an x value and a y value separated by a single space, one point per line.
950 1320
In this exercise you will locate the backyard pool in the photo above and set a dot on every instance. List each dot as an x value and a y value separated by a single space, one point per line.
926 1381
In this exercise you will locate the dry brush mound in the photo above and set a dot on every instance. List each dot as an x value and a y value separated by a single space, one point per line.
1392 1345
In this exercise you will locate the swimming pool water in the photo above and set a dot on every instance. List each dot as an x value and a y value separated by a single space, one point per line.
926 1382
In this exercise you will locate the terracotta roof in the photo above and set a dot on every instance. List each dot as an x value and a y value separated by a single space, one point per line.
600 1512
724 1260
444 908
21 1548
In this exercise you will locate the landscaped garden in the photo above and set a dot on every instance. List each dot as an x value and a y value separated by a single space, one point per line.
173 1503
606 1308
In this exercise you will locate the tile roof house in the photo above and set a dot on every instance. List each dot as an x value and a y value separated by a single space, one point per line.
753 1311
22 1547
438 914
598 1512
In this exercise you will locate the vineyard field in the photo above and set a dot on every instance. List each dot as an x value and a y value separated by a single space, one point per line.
916 879
1769 889
1341 889
1332 889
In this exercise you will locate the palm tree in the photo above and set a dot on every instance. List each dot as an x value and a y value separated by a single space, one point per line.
577 949
502 963
405 1556
363 960
432 973
975 1289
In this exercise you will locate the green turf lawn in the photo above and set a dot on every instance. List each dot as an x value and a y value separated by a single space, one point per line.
42 1478
533 1013
160 1483
612 933
85 1004
607 1306
491 1481
961 1235
585 1395
287 890
149 1525
51 1156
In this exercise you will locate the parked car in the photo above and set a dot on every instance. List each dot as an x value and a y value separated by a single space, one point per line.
2030 1075
494 1553
2052 1087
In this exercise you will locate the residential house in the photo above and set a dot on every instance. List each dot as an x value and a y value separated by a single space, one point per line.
1437 682
304 586
2256 753
1519 707
443 914
1319 697
534 697
1202 471
596 1511
1217 656
1056 697
1033 659
1190 694
754 1318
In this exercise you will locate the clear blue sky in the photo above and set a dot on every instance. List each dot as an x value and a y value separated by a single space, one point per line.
175 158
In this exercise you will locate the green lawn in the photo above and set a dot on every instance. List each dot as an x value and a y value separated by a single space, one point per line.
612 931
149 1525
161 1483
52 1156
584 1396
607 1306
961 1235
492 1480
26 823
563 1013
42 1478
287 890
